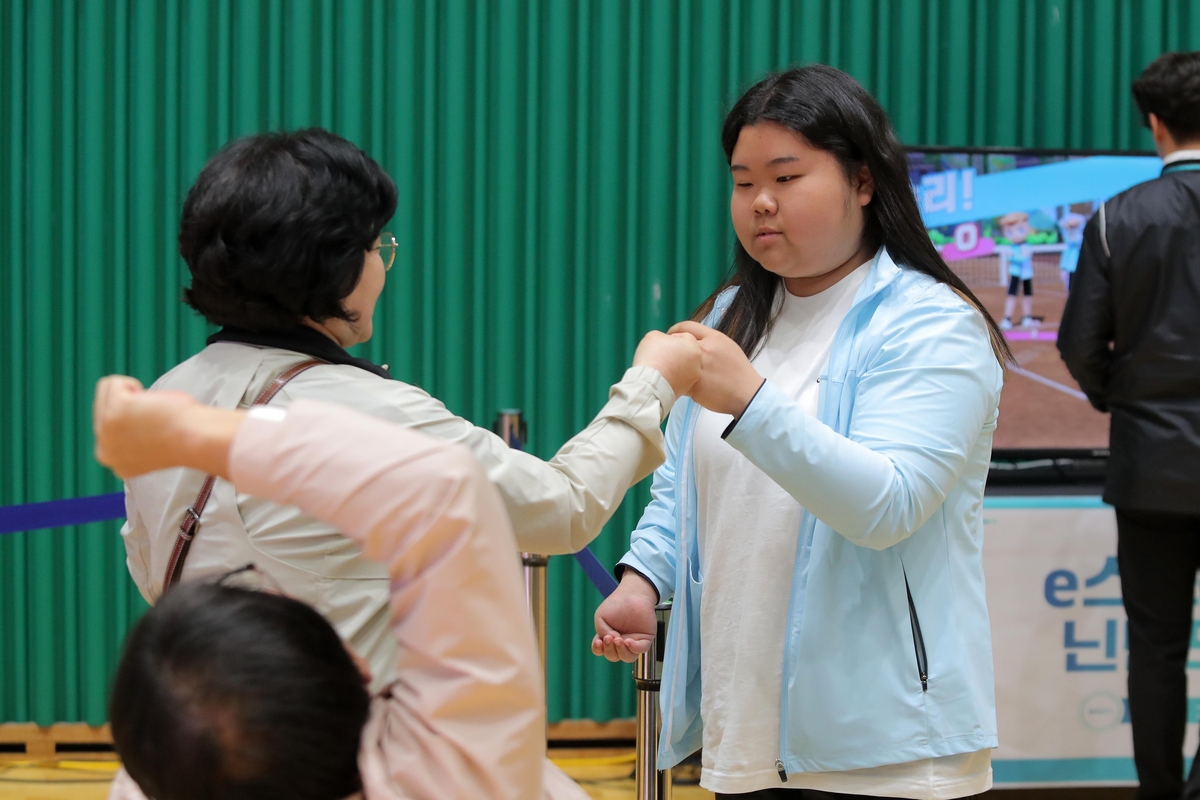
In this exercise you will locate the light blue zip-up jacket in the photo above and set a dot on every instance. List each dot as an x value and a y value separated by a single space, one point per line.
888 657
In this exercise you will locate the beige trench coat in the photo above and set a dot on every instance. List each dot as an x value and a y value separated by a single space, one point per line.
555 506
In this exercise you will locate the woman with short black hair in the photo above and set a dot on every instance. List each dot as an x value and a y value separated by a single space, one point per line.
283 235
275 227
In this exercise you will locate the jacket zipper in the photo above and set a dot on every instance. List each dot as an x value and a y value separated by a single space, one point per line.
918 639
689 430
920 644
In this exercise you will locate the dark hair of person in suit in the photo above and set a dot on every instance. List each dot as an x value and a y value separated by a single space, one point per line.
1170 89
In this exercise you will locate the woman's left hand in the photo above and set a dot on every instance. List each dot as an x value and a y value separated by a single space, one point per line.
728 381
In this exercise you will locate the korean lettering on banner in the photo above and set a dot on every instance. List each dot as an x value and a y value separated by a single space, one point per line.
944 191
1092 645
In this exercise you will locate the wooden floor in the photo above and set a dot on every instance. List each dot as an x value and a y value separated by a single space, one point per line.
69 781
623 790
63 780
84 780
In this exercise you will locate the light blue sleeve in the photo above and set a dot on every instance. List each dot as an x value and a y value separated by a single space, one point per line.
919 408
652 544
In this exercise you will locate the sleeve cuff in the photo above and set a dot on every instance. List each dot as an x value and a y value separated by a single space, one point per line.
658 384
630 561
759 415
733 423
619 572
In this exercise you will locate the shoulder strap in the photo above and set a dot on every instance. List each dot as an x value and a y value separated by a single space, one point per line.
191 517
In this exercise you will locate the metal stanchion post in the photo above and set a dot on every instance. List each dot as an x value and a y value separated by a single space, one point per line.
651 783
510 426
535 566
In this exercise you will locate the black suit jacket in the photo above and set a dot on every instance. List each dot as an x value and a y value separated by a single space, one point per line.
1130 335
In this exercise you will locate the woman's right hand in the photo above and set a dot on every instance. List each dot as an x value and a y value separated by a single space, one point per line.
676 356
625 621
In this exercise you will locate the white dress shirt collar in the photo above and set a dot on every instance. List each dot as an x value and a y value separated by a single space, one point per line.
1182 155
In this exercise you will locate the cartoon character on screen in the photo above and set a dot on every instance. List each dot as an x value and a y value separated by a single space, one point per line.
1070 225
1015 227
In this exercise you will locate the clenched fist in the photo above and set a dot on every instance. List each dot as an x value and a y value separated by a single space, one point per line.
139 431
728 381
676 357
625 621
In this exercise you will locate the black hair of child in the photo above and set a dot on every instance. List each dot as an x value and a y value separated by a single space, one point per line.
223 692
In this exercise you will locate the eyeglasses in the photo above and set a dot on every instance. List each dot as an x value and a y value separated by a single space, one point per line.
387 249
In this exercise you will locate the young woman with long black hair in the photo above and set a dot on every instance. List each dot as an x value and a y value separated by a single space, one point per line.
818 519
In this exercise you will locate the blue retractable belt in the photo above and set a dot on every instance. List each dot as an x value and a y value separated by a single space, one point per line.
600 577
103 507
61 513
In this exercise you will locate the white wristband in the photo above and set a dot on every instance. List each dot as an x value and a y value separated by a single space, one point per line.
267 413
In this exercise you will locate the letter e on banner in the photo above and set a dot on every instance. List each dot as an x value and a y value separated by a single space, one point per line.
1061 580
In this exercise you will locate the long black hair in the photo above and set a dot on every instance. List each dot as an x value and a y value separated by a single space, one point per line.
834 113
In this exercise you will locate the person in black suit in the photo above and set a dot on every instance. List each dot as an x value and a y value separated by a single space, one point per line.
1130 335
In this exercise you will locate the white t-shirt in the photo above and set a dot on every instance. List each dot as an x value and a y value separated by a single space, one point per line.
748 531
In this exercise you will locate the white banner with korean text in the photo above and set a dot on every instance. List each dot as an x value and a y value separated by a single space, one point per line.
1060 643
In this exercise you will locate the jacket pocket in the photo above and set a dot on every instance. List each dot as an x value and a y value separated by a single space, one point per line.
918 638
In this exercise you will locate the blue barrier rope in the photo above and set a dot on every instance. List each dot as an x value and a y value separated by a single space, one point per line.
600 577
61 513
103 507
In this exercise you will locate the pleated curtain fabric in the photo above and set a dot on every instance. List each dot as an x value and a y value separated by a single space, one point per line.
562 190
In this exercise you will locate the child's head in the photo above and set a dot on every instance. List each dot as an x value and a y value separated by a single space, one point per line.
1015 227
819 177
231 693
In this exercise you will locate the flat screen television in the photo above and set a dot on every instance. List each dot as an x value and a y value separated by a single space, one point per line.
994 214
